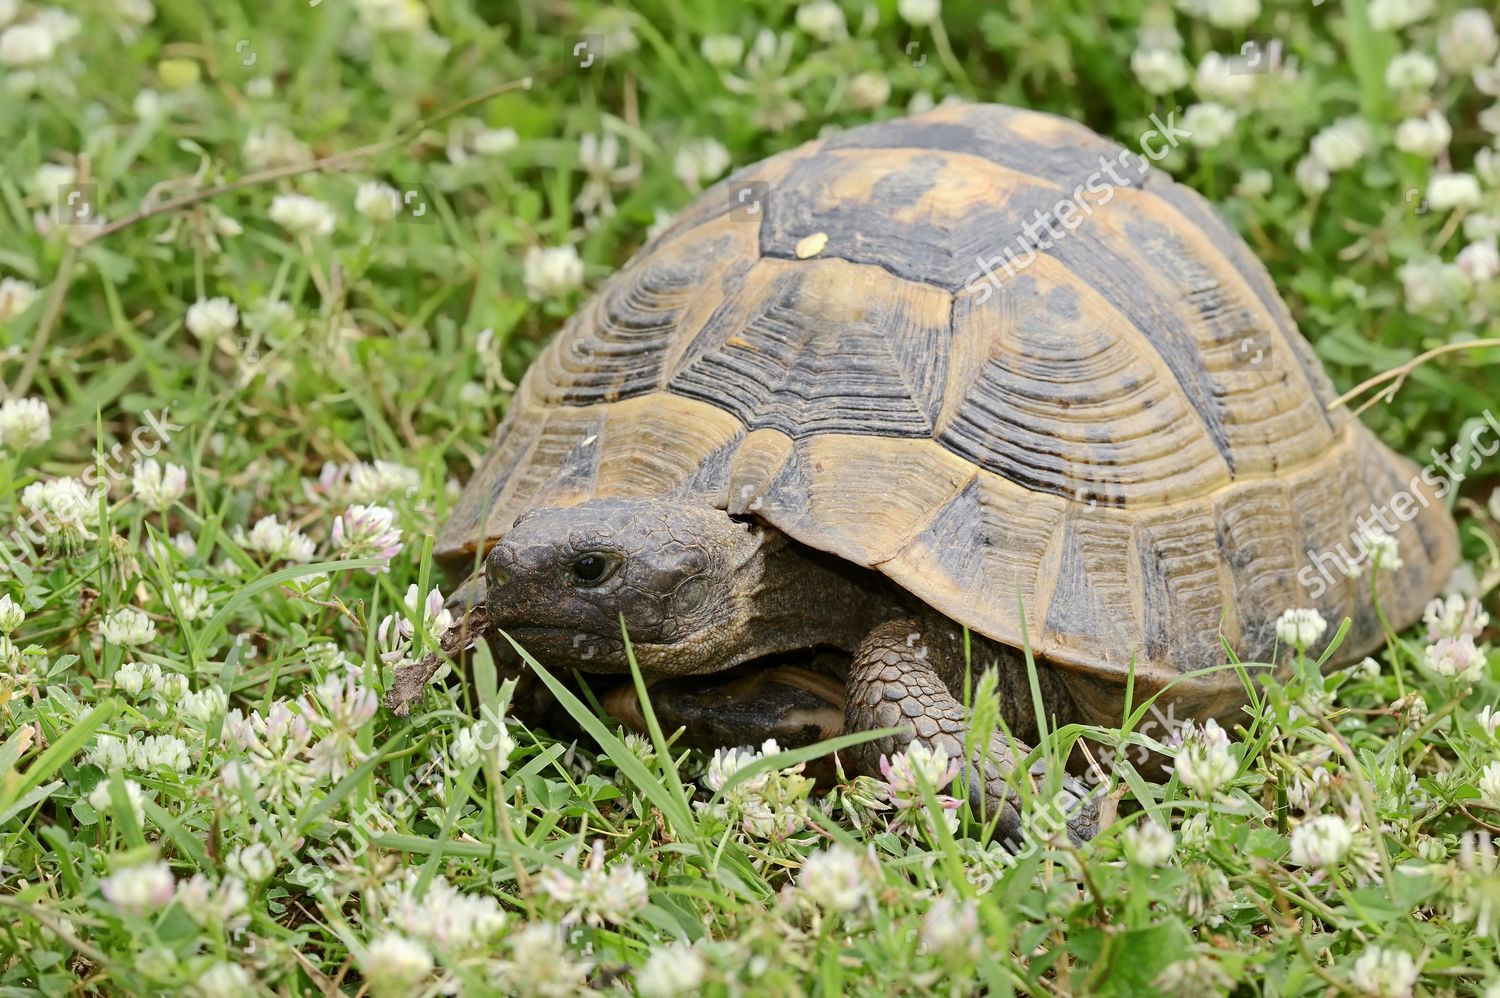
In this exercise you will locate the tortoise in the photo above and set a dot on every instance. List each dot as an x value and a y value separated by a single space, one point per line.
813 416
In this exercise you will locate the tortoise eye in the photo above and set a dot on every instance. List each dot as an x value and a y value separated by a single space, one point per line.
592 568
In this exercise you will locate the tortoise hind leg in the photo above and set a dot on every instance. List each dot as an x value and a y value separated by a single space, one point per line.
897 679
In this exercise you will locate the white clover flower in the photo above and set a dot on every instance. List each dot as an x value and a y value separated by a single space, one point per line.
133 678
273 147
1425 136
210 318
63 509
1300 628
1204 762
1411 72
253 863
541 964
722 51
100 799
823 19
1226 13
670 971
868 91
214 905
931 762
1449 191
494 141
275 539
551 272
1428 285
192 601
1480 261
1217 80
109 753
1342 144
598 897
204 705
377 201
1468 42
1254 183
950 929
392 16
171 687
138 12
62 26
156 486
700 160
49 179
448 919
25 45
1489 779
1210 124
367 532
1160 70
919 12
834 879
393 964
139 889
1366 668
24 423
1320 841
381 481
302 215
1384 973
9 9
16 296
1150 843
1392 15
1454 615
127 626
1455 658
1489 719
11 614
224 980
1379 547
158 752
1311 176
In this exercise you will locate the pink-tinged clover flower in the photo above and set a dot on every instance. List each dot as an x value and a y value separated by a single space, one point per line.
367 532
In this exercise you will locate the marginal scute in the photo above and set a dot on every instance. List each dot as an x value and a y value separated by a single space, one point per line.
1250 522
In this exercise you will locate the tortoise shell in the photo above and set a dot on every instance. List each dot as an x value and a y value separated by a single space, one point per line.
1108 422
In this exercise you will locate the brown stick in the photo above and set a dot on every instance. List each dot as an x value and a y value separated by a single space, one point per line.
410 682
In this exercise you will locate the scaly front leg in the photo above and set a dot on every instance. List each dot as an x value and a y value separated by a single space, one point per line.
896 680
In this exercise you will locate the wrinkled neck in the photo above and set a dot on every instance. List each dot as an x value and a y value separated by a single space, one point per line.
794 597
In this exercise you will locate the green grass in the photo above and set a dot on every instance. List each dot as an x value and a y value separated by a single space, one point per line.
258 825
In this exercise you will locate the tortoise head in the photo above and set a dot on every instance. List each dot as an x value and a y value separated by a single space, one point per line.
680 575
